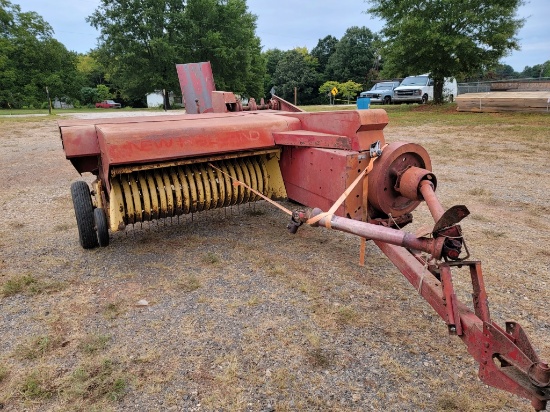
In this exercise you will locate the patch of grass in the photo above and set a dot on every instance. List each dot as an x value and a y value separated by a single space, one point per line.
63 227
96 381
493 234
29 284
479 218
253 301
274 269
92 344
320 358
112 310
210 258
37 347
37 385
188 283
463 403
395 368
17 284
4 372
346 315
478 191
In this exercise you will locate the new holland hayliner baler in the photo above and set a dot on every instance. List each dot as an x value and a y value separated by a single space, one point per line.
336 164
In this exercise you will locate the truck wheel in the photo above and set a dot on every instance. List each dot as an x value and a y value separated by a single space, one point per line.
425 99
84 212
387 100
101 227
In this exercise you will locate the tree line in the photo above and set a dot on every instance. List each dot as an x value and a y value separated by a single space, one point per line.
141 41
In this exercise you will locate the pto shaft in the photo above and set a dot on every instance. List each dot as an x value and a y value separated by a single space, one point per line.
381 233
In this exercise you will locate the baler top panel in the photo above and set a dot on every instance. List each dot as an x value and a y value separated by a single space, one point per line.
196 135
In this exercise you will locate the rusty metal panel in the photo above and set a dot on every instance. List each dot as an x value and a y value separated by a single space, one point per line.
220 100
317 177
196 135
79 141
312 139
197 85
364 127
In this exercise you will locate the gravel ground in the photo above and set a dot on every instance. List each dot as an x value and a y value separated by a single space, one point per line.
241 315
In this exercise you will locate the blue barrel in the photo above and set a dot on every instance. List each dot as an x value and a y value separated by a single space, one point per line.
363 102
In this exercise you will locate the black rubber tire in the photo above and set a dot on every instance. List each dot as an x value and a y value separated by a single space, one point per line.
101 227
425 99
387 100
84 212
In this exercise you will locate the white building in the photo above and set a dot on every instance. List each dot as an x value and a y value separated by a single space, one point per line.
155 99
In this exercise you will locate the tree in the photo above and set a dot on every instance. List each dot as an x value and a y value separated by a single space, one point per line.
296 70
350 89
326 88
354 56
92 71
271 58
32 60
142 40
537 71
446 38
322 52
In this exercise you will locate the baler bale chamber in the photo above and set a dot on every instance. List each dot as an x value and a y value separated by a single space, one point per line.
335 164
151 168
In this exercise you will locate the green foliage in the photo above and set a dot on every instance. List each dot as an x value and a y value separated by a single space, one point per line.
155 35
95 381
271 58
325 48
17 285
36 347
296 70
326 87
37 385
350 89
103 92
445 38
32 60
91 70
88 95
537 71
354 56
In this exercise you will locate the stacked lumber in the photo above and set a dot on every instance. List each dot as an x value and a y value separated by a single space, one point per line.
504 102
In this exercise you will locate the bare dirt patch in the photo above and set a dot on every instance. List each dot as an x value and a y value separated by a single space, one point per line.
243 316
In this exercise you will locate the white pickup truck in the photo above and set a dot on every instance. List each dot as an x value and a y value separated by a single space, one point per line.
420 89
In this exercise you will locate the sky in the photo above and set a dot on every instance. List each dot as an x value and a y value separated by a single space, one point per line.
286 24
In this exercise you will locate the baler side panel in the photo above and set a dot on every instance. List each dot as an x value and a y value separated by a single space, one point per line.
317 177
